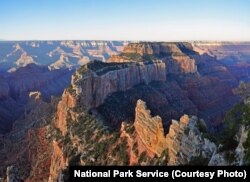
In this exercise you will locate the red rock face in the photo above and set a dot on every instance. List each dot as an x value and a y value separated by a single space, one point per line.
96 86
68 101
117 59
180 64
183 140
58 162
149 134
149 130
139 49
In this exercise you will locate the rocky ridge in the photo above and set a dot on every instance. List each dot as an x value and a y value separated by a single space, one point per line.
183 141
175 55
103 79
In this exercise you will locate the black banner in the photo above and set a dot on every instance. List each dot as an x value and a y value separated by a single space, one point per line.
159 173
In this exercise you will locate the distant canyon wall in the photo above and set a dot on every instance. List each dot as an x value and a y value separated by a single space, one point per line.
175 55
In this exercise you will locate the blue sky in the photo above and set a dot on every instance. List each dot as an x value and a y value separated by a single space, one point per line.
153 20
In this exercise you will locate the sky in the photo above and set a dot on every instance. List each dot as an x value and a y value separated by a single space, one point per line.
147 20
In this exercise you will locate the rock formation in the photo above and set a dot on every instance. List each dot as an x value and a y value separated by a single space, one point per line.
103 79
58 162
183 141
14 55
63 111
219 158
175 55
24 60
149 129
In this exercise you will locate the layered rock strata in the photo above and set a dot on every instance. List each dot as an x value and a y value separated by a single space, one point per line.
103 79
183 141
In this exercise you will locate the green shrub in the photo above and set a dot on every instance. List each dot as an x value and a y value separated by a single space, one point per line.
230 156
74 160
198 161
246 145
143 157
130 130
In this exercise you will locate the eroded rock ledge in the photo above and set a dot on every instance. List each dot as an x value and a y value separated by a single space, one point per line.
183 141
102 79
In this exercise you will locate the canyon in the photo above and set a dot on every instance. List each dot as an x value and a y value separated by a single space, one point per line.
44 66
145 103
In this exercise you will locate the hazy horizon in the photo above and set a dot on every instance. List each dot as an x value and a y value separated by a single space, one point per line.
129 20
30 40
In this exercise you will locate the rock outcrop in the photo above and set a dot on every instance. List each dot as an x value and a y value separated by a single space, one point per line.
24 60
149 129
222 50
175 55
240 150
159 48
222 158
96 80
14 55
58 162
183 141
63 111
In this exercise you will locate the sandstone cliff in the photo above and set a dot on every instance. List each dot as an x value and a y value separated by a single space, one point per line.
58 162
67 102
102 79
186 141
177 56
149 129
183 141
95 81
159 48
